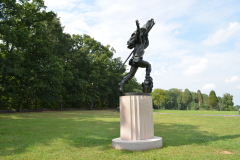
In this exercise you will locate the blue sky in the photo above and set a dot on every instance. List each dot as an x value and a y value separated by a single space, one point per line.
194 44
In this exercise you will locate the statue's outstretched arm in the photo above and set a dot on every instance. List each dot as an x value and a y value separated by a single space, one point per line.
139 40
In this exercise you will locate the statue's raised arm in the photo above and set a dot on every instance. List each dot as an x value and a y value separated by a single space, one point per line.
138 33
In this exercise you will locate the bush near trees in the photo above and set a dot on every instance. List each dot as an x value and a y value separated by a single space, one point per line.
179 100
42 67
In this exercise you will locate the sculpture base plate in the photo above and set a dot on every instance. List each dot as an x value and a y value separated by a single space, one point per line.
137 145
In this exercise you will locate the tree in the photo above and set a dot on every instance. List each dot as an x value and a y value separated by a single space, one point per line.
199 98
172 94
212 99
133 86
219 103
227 101
180 103
237 106
31 42
159 96
187 97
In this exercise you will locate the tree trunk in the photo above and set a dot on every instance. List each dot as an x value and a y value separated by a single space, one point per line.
199 105
61 106
91 107
35 104
20 105
187 108
28 102
1 94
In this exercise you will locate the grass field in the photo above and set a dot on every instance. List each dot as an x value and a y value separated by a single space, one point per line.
89 134
198 112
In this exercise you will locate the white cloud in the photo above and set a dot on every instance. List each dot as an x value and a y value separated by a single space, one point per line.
61 4
198 68
175 46
237 45
208 86
160 72
140 75
238 87
233 79
223 35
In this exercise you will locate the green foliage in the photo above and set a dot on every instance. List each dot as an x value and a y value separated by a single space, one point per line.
159 96
220 105
132 86
30 36
42 67
187 97
193 106
227 101
199 98
181 105
212 100
172 94
237 106
232 108
205 98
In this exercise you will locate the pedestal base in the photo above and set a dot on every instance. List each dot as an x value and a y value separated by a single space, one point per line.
137 145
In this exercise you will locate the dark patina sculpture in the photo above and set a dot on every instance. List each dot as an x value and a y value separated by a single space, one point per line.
139 41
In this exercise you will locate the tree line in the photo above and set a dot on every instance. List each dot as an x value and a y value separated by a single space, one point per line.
177 99
43 67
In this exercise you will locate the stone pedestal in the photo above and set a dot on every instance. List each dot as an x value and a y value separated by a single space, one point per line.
136 123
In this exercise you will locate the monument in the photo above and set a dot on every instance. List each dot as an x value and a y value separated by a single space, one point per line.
136 110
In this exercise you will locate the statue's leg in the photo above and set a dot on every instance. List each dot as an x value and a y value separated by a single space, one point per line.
145 64
132 72
148 82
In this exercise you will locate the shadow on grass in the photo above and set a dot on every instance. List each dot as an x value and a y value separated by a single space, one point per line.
86 130
20 133
177 135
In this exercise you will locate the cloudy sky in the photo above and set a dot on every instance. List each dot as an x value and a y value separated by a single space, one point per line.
194 44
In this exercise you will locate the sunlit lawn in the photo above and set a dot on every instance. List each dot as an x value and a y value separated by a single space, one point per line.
89 134
198 112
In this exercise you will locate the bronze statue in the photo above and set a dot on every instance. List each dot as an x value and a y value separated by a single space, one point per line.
139 41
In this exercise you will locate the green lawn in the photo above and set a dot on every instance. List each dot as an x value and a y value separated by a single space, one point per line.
198 112
89 134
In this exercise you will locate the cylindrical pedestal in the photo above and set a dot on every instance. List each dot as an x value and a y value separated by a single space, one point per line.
136 117
136 123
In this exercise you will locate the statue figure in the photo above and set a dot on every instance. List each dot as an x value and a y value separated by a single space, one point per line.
139 41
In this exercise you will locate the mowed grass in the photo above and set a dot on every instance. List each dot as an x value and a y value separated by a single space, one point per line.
198 112
89 134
